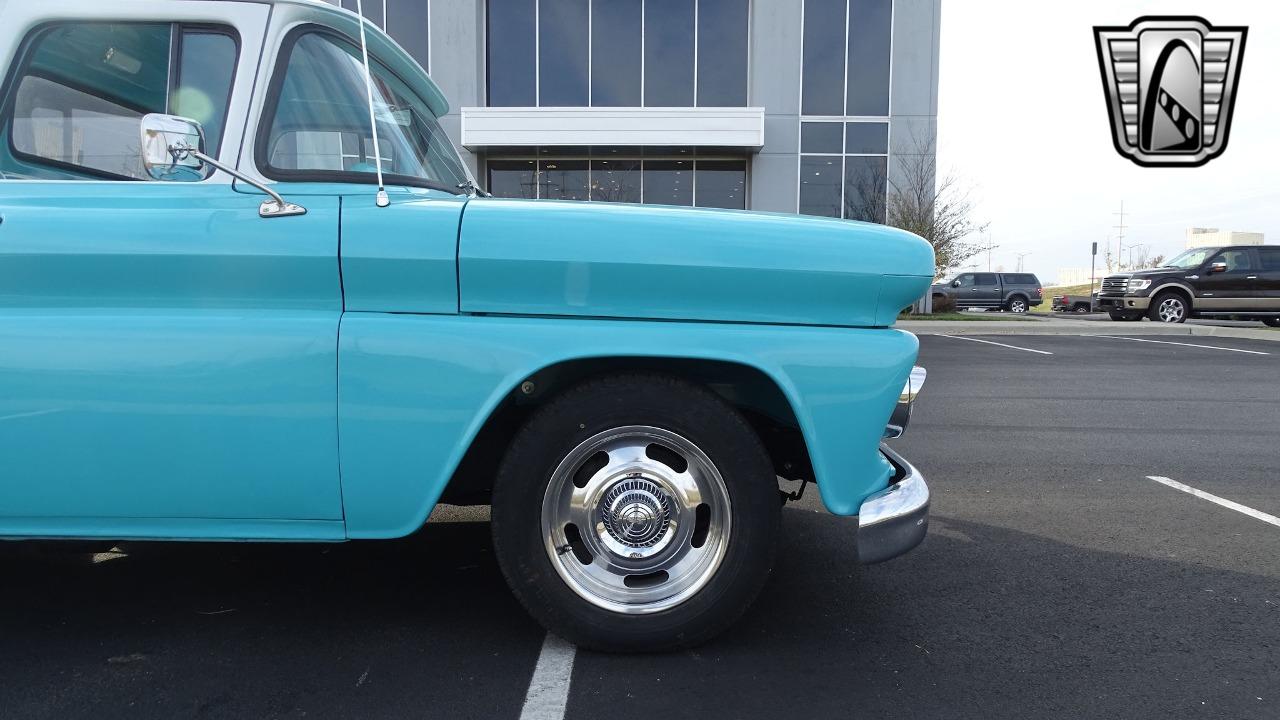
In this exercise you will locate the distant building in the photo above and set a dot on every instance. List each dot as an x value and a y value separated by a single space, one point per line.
1078 276
1213 237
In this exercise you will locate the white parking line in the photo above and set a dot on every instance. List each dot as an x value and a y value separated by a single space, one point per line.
548 693
988 342
1168 342
1255 514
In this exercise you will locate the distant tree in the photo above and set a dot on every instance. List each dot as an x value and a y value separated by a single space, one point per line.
937 209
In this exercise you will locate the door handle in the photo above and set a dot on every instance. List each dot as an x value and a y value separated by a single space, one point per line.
1252 277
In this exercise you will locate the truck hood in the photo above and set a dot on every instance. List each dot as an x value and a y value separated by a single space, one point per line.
643 261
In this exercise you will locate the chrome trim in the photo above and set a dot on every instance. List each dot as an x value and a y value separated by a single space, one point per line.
901 416
896 519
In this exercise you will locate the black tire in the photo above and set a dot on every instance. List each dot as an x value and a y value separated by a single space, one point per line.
1082 308
1122 316
1272 322
1169 307
582 414
1018 304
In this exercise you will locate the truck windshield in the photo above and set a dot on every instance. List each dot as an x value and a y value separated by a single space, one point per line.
320 128
1190 259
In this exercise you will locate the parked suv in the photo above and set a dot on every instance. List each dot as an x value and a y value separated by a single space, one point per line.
1238 280
1015 292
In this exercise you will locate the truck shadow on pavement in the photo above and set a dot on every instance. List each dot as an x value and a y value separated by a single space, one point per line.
979 621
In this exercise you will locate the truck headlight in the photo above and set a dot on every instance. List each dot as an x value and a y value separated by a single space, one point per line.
1137 284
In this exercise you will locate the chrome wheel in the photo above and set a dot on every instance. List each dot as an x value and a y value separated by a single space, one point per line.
636 519
1171 310
1017 305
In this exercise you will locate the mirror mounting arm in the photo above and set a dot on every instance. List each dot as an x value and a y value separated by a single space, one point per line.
277 206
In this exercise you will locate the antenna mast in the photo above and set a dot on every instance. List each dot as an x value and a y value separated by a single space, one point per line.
382 199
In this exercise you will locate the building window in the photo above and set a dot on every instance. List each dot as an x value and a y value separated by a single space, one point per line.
701 182
617 53
512 53
844 169
406 21
845 59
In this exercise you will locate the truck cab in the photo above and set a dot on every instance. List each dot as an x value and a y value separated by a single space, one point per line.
248 291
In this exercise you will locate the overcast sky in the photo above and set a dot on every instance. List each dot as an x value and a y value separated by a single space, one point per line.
1022 118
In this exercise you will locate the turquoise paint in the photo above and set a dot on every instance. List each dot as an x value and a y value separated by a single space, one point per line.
404 257
166 354
634 261
415 389
185 528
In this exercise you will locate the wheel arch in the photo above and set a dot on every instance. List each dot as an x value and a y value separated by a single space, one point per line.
1174 287
749 389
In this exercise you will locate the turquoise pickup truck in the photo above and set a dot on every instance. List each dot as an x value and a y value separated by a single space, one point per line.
249 291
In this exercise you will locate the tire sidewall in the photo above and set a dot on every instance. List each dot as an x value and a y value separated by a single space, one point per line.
693 413
1164 297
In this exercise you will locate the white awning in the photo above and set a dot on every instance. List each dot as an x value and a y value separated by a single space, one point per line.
577 126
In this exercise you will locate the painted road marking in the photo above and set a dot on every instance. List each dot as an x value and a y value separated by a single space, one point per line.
1168 342
988 342
549 688
1255 514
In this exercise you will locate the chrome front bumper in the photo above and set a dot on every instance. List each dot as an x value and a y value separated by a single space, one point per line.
894 520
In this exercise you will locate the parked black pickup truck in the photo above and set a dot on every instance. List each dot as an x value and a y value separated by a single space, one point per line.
1238 280
1015 292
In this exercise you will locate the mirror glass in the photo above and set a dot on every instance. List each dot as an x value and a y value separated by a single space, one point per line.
166 144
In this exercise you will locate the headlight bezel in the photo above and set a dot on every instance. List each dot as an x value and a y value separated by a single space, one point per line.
1136 284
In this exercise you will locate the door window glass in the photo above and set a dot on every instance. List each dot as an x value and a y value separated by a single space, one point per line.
1235 259
965 280
319 125
84 87
984 279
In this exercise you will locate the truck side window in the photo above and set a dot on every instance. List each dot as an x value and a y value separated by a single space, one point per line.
1235 260
1270 258
317 127
82 89
985 279
965 280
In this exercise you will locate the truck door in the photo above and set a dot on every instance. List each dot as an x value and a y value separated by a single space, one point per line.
1269 278
986 290
169 357
1238 288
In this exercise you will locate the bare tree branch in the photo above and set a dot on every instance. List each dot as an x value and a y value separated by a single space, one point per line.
937 209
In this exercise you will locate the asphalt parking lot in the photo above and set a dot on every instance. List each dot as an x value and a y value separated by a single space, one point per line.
1058 581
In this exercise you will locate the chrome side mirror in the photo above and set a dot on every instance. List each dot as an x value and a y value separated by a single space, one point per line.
167 145
1217 268
173 149
955 283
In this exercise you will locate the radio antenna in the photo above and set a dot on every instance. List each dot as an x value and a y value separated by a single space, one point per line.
382 199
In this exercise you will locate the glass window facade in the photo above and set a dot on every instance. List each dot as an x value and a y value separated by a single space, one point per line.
712 182
870 36
668 53
618 53
844 91
844 169
563 53
847 46
723 30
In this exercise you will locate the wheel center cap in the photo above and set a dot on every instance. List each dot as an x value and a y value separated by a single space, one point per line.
636 512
